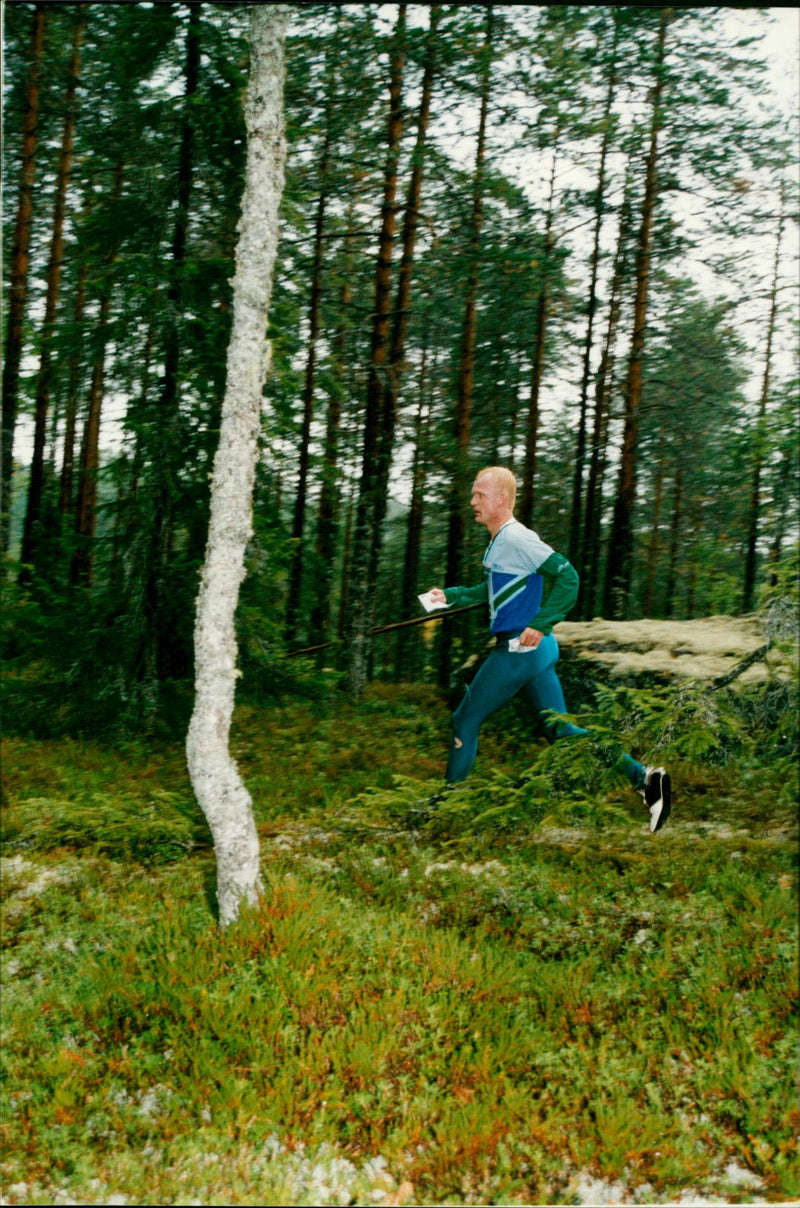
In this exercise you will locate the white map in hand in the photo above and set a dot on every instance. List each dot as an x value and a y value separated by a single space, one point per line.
430 604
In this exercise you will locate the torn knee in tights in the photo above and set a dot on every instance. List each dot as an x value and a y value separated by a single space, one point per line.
457 743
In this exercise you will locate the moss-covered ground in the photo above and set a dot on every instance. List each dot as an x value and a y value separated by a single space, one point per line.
517 996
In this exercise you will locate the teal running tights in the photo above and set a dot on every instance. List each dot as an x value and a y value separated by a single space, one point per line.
502 676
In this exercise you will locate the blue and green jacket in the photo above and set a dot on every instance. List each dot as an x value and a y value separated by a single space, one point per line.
526 583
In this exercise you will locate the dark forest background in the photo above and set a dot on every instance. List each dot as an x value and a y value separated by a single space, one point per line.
557 238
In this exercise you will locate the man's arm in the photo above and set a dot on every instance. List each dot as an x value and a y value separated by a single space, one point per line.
561 585
460 595
467 595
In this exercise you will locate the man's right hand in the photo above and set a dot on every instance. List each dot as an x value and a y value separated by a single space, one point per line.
437 595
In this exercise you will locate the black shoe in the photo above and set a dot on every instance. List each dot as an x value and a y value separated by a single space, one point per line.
657 793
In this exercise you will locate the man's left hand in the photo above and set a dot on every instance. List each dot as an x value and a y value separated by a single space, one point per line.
530 637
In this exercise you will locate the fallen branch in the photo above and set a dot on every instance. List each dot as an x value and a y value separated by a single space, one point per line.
722 681
426 620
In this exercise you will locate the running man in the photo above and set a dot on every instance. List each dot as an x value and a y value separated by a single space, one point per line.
529 588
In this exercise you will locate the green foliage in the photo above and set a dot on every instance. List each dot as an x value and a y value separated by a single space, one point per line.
473 996
75 666
165 829
482 1002
779 604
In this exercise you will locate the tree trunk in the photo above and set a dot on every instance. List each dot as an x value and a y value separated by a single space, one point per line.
576 547
43 385
73 391
82 569
18 276
620 551
409 240
223 797
785 499
360 605
86 502
406 641
514 413
330 495
390 382
314 306
654 544
461 427
754 510
540 338
674 543
344 586
602 407
169 455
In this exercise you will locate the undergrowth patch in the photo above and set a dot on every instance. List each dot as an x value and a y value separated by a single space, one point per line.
491 995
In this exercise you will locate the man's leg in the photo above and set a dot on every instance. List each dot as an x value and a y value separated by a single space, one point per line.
546 694
500 678
654 784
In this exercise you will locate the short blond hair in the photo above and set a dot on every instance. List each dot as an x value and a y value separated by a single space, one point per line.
502 480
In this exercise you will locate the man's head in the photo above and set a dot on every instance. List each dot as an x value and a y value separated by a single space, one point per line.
493 493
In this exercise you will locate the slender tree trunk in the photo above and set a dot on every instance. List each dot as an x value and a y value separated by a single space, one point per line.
754 509
170 453
653 547
73 392
674 543
409 240
514 413
461 427
620 552
360 606
576 549
330 493
314 307
691 539
55 259
18 276
300 506
344 586
602 407
139 452
82 570
413 545
327 519
222 796
785 499
390 382
86 503
526 504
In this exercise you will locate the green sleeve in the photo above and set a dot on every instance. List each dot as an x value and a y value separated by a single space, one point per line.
467 595
561 584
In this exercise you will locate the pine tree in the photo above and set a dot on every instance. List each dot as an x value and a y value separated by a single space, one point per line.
461 426
31 536
620 544
18 283
754 509
372 486
611 64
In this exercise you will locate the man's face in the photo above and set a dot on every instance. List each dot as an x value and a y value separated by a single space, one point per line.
486 501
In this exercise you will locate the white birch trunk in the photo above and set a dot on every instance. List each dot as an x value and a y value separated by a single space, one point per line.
223 797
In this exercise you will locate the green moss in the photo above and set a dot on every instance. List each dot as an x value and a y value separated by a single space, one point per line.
522 990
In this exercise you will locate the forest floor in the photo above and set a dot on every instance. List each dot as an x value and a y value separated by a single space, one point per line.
520 997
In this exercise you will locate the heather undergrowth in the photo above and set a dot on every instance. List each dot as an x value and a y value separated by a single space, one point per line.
509 995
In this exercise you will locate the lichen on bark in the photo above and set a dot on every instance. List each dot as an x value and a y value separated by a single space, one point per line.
218 787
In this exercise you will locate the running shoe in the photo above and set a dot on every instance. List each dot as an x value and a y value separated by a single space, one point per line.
657 793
